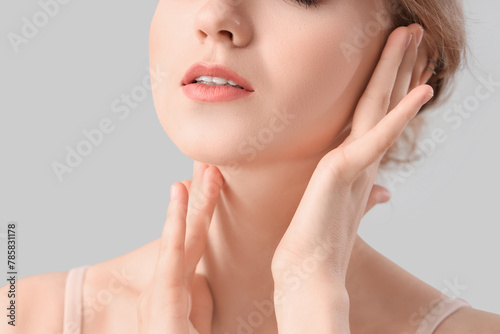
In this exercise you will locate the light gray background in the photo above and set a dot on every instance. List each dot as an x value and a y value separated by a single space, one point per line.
442 224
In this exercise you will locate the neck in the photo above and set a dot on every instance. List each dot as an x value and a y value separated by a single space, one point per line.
252 214
254 209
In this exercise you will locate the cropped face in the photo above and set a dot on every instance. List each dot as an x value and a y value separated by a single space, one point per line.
306 66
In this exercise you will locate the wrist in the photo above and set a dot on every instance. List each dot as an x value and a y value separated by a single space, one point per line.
325 292
312 308
322 277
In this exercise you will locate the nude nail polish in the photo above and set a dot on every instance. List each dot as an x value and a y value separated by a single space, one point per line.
408 41
420 36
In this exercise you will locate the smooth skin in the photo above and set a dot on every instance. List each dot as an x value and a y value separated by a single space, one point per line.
177 299
333 204
182 280
259 40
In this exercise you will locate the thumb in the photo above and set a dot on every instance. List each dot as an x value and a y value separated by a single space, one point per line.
378 195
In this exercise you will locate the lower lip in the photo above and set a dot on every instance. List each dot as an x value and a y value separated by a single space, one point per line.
212 93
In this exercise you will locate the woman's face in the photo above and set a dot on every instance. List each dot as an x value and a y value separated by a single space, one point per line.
307 67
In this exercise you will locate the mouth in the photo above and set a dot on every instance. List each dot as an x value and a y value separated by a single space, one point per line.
216 81
214 75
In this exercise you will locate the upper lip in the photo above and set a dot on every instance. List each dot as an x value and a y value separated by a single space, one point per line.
214 70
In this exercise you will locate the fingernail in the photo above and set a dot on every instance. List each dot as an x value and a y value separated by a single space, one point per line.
408 41
173 192
420 36
427 98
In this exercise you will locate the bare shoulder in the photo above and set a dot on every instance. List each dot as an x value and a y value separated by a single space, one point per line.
468 320
111 290
109 295
36 302
372 278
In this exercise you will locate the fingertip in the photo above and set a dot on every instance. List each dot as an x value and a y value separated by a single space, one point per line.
418 32
406 33
429 94
384 195
178 191
215 176
408 40
173 192
187 184
431 90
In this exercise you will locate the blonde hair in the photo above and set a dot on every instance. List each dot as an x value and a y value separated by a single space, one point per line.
444 24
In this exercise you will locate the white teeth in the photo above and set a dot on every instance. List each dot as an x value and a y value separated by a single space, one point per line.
219 81
215 81
204 78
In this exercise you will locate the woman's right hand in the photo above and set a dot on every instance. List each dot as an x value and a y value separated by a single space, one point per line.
178 300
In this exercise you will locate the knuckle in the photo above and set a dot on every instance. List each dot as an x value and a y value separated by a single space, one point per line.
199 237
171 248
337 168
369 99
177 246
378 101
330 167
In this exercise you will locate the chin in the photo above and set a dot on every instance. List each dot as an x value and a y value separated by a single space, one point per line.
208 147
218 138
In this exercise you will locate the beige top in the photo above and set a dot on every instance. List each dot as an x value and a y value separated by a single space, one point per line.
73 300
73 306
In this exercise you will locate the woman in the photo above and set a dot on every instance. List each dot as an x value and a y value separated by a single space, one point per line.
284 172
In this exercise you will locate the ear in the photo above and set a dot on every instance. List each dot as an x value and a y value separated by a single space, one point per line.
426 62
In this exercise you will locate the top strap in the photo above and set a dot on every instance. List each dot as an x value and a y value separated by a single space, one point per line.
438 313
73 300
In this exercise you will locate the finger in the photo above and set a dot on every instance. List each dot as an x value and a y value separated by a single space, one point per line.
378 195
198 169
202 305
425 67
167 296
187 183
195 187
170 263
369 148
200 214
343 134
405 72
374 102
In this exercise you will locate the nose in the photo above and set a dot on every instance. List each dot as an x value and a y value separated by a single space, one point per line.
222 21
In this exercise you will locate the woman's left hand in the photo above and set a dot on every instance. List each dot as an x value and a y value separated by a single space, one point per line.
310 263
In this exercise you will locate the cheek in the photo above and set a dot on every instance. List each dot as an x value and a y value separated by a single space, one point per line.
159 57
168 28
318 84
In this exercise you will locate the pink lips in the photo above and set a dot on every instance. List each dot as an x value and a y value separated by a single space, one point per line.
213 93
